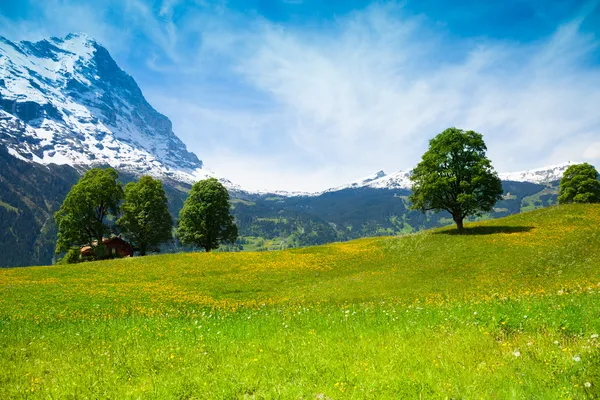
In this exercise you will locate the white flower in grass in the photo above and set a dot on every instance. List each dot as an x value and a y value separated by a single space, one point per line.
594 336
517 353
587 384
577 358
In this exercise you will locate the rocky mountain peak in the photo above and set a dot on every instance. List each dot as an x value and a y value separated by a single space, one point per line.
66 101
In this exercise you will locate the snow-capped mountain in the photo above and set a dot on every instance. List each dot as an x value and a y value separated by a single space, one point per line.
538 175
401 179
66 101
379 180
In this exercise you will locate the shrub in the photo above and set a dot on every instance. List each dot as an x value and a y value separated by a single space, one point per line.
73 256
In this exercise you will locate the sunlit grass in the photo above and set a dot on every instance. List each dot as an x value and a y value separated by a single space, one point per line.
508 310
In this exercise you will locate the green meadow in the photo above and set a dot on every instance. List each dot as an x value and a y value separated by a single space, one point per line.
508 310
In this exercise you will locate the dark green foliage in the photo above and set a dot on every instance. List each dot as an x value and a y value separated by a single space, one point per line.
205 220
334 216
73 256
100 253
145 221
30 193
355 213
579 185
82 218
456 176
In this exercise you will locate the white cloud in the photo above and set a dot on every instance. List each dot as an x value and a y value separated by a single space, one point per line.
166 8
274 172
284 107
374 91
369 91
592 152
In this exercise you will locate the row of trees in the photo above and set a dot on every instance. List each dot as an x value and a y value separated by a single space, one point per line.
455 175
98 206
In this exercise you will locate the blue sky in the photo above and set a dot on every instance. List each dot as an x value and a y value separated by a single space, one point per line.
306 94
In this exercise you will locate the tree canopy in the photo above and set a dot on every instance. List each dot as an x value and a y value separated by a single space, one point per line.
82 217
455 175
145 220
579 184
205 220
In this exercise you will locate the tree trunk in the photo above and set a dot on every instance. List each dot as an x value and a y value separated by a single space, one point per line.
459 223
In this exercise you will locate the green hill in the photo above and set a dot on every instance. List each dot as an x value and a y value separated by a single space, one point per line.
507 310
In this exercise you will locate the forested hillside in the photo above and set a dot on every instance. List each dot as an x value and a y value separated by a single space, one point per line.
29 195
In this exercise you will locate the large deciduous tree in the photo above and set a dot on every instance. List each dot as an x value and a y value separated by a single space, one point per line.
145 220
455 175
205 220
83 216
579 184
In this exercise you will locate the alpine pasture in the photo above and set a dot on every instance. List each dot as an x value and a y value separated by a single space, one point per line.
509 310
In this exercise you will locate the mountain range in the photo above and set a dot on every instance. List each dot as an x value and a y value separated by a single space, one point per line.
66 106
401 179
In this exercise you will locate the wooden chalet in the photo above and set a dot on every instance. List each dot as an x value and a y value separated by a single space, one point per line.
115 247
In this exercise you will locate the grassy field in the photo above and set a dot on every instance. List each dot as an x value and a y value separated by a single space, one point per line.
510 310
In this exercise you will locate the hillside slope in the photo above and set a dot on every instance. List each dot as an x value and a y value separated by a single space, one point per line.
29 195
539 249
508 310
360 212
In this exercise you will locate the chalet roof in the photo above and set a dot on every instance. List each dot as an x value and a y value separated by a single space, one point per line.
112 240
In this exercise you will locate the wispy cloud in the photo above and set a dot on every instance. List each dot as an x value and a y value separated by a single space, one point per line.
308 106
373 89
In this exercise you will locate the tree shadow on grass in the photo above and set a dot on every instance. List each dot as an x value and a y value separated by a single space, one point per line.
487 230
